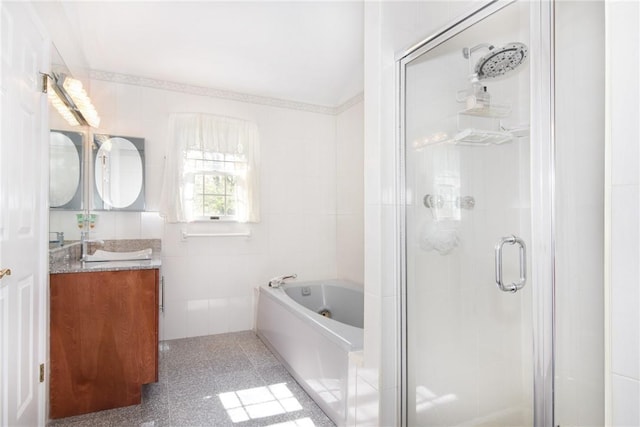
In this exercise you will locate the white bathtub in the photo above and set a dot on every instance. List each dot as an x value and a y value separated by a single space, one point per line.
315 349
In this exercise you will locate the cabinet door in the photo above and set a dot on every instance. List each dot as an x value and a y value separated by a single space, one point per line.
104 339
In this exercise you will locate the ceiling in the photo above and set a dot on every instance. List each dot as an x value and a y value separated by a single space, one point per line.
304 51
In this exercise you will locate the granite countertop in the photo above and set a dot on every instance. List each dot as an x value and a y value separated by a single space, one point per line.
67 259
87 267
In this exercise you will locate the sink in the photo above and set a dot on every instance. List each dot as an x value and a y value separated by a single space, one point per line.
101 255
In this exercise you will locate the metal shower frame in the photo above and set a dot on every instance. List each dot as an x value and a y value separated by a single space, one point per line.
541 44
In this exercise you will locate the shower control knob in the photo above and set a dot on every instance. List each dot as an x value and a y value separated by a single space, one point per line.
433 201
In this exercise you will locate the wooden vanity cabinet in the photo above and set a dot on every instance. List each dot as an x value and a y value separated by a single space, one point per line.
104 339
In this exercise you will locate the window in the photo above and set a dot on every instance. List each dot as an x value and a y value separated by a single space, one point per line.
211 170
213 183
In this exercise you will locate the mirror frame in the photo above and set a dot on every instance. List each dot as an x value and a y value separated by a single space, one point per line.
76 202
138 205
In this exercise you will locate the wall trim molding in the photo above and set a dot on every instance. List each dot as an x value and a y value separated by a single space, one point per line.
356 99
113 77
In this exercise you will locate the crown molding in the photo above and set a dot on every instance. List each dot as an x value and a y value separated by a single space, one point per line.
223 94
356 99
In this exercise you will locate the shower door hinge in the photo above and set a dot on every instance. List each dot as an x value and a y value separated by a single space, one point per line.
45 82
42 372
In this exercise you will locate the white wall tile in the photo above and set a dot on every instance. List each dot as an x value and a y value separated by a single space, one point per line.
372 249
623 46
372 330
355 362
240 313
171 273
128 225
625 294
298 229
350 160
203 274
350 247
389 412
367 400
349 193
151 225
174 319
105 225
197 317
153 186
349 188
625 109
289 233
626 402
300 195
218 316
65 221
579 127
176 278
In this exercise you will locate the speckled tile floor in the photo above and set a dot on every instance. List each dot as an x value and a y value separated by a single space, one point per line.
217 380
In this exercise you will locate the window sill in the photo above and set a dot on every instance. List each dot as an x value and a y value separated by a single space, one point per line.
215 221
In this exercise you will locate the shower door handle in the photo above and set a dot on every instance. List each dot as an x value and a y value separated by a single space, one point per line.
515 286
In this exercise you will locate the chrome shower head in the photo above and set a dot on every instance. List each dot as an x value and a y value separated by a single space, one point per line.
500 61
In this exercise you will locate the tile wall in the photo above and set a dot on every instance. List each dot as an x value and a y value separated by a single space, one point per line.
209 281
623 46
350 194
580 332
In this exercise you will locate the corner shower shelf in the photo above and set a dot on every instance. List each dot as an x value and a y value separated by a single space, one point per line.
481 137
494 111
469 134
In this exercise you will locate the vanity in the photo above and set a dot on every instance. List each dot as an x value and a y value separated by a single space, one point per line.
103 312
103 332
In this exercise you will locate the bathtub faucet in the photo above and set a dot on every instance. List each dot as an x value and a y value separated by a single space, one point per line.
278 281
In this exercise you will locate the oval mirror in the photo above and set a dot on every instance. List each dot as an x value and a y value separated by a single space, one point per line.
119 172
65 170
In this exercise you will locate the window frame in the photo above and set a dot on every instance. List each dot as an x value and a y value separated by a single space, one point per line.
228 164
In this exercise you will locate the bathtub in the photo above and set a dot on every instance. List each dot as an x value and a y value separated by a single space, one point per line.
313 347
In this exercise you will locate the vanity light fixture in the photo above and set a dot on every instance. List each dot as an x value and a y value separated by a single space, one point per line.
71 100
62 108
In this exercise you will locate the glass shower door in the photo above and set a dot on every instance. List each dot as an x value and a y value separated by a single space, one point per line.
468 334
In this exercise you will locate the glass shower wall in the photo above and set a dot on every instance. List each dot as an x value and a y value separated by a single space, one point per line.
467 191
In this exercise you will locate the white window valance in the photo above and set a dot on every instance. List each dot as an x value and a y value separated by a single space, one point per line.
214 137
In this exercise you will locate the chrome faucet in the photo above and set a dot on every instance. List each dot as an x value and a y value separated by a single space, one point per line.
84 239
278 281
59 238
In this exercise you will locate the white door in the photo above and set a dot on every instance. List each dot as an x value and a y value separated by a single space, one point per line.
23 215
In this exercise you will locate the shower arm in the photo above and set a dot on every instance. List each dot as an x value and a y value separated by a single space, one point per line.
466 51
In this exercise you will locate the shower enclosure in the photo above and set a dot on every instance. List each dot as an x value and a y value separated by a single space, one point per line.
476 213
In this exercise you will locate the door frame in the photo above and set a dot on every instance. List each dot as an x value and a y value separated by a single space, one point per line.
542 196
